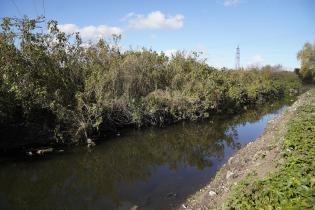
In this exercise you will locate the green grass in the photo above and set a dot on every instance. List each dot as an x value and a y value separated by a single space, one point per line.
293 186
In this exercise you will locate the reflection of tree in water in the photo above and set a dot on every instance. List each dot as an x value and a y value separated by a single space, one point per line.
79 179
232 137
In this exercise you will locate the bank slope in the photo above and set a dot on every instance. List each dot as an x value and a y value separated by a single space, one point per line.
275 171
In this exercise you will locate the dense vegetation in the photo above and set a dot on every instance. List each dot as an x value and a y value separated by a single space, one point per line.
52 83
293 187
307 58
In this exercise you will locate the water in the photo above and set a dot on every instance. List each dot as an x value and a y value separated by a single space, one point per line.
156 168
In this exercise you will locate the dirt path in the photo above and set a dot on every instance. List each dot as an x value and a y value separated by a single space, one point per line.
260 156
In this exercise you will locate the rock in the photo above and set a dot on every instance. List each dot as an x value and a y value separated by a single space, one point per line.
170 195
225 189
255 157
293 91
230 160
229 174
42 151
135 207
90 143
258 155
212 193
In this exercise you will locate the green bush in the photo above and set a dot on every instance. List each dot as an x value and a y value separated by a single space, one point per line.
87 90
307 58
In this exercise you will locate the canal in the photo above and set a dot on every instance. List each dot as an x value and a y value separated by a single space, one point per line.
154 168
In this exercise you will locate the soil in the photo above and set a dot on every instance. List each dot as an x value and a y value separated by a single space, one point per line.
261 156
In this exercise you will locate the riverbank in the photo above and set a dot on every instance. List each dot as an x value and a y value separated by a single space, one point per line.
240 182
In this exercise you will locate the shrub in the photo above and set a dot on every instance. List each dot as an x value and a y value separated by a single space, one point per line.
85 91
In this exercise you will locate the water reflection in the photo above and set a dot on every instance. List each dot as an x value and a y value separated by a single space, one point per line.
151 169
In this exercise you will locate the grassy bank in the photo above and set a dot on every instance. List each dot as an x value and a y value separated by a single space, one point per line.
54 86
293 186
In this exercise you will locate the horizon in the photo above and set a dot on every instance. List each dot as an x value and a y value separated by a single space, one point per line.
267 32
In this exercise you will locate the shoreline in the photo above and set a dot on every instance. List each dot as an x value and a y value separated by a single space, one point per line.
26 147
259 157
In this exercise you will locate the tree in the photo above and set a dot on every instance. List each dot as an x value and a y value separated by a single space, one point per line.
307 58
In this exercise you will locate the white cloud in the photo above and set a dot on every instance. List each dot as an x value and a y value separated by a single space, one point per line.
68 28
129 15
85 45
202 50
154 20
91 31
256 60
170 52
230 2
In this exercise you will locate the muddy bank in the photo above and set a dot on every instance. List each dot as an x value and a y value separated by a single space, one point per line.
260 157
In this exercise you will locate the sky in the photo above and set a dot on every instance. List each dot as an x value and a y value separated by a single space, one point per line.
267 31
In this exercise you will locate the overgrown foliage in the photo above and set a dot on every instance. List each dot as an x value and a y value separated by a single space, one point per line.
51 81
293 187
307 58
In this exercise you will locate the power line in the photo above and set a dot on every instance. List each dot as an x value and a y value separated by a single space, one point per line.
44 8
34 5
16 7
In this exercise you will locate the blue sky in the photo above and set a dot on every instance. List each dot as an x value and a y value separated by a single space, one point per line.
267 31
